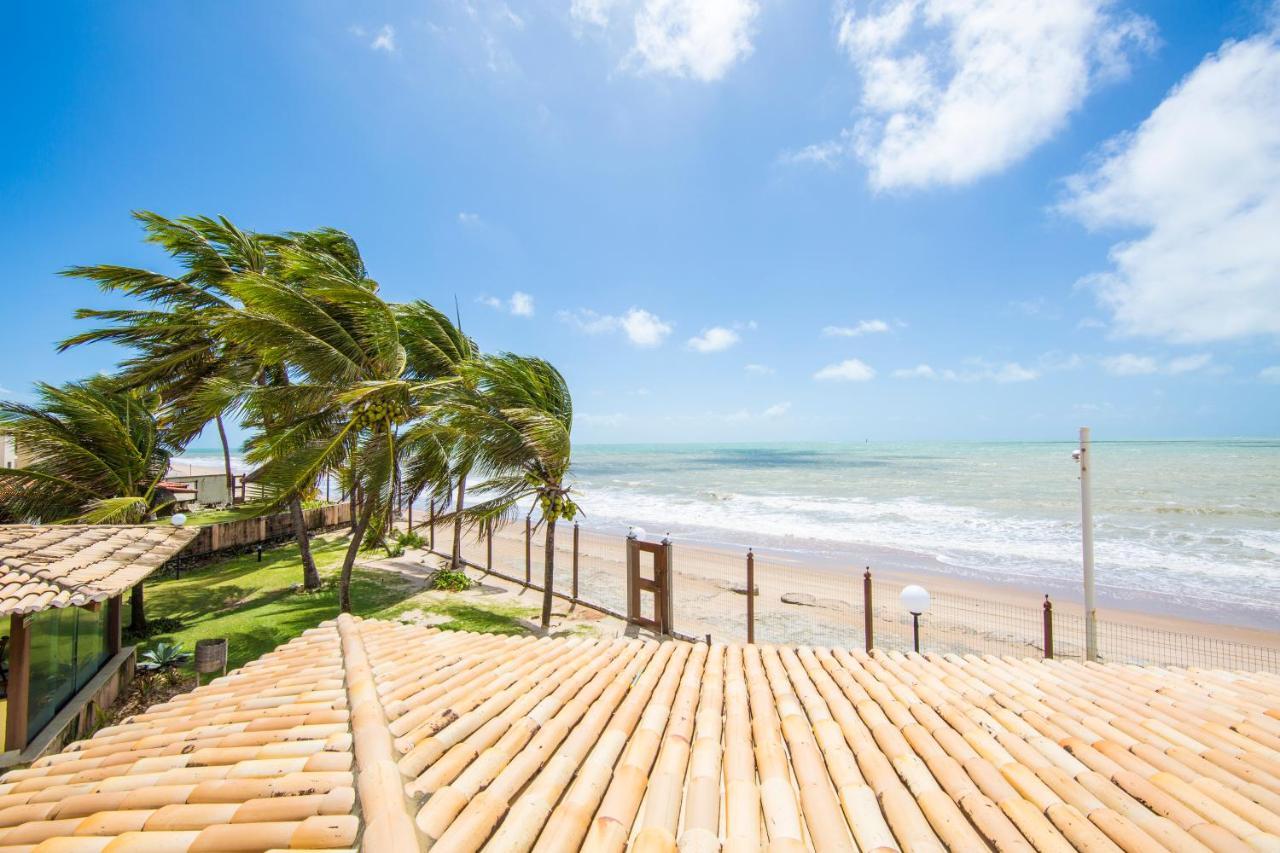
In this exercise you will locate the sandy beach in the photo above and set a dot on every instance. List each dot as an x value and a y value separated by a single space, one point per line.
824 605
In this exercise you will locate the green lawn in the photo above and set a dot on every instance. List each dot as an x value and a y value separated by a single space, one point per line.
258 606
200 517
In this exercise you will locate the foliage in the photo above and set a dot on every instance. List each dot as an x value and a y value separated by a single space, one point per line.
450 579
157 625
97 455
515 415
410 540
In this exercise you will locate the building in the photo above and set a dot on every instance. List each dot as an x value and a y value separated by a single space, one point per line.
399 738
61 589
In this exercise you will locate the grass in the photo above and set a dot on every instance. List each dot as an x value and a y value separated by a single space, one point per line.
200 517
257 606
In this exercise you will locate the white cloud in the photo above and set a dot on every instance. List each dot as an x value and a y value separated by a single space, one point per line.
385 40
777 410
642 328
1200 180
759 369
1128 364
1188 363
953 90
700 39
863 327
715 339
977 370
465 218
521 304
1270 374
920 371
849 370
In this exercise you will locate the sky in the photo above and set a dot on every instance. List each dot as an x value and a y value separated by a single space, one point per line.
723 220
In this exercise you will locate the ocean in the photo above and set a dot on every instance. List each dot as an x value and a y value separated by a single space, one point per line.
1190 528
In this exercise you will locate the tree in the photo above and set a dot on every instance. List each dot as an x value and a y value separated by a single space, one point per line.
361 371
97 453
515 414
177 348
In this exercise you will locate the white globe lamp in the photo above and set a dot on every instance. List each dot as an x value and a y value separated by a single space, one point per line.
915 600
178 519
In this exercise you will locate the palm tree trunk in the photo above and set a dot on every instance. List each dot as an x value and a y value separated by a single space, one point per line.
310 576
349 561
548 572
226 460
457 523
137 611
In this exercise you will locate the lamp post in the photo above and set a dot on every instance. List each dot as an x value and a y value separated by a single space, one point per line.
1081 455
915 600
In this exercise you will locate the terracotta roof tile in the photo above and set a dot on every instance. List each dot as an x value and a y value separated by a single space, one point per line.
399 737
68 565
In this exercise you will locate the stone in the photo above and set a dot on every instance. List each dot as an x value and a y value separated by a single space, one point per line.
802 599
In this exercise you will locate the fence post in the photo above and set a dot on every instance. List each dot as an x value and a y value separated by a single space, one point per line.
431 535
1048 628
575 561
868 628
751 596
528 550
488 542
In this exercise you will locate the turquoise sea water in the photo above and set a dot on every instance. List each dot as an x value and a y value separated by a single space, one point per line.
1190 527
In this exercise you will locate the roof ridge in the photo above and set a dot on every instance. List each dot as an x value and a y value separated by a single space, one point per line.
388 824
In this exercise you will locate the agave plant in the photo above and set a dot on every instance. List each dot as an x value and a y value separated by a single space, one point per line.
165 660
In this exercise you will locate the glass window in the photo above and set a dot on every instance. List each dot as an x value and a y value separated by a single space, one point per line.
91 642
68 647
53 668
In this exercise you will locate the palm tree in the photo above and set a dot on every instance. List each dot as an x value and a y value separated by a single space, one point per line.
516 415
435 456
361 370
96 452
176 344
97 456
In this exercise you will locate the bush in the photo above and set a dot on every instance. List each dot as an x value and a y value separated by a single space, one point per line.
452 580
409 540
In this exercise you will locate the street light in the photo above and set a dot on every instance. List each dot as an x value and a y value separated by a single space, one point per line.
915 600
1082 456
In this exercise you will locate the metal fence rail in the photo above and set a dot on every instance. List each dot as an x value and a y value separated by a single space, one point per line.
747 597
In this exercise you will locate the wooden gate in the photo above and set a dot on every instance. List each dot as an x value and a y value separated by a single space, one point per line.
656 583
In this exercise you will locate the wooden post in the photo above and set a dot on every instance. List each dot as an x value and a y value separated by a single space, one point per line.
488 542
667 591
114 626
431 537
751 596
868 627
528 550
1048 628
575 561
15 734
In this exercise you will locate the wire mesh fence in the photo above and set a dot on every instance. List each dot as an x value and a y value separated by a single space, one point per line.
739 596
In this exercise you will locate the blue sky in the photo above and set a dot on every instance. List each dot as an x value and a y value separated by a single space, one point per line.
737 220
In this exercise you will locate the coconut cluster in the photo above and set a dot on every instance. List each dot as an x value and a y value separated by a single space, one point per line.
376 414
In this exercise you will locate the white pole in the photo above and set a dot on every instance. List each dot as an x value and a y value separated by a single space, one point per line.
1086 538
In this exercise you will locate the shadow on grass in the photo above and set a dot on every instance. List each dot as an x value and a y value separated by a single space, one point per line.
257 606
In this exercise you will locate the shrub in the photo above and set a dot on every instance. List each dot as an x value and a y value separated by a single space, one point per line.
409 540
452 580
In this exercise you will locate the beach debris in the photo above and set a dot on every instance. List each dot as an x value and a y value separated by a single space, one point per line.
736 587
803 599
